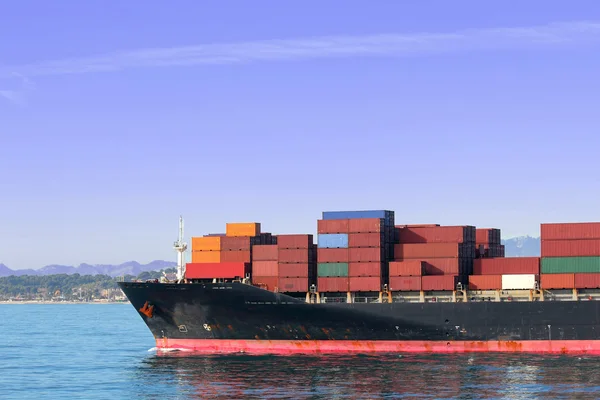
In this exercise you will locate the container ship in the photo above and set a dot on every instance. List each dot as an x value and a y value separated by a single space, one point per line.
369 285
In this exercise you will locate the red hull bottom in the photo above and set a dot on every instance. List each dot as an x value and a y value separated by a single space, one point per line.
224 346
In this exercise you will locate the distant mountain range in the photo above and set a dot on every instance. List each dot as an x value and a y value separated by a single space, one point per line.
128 268
525 246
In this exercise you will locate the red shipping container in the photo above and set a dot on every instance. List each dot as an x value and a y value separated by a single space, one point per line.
266 252
287 285
266 282
332 255
484 236
417 226
485 282
405 283
295 270
407 268
223 270
365 284
438 234
365 240
365 254
265 268
332 226
442 266
578 230
439 282
295 255
557 281
506 266
356 269
333 285
587 281
295 241
230 243
236 256
571 248
432 250
365 225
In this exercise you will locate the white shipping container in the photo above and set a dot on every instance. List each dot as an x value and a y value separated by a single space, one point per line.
518 281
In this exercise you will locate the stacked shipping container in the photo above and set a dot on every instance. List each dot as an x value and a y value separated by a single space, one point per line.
226 256
570 255
445 252
512 273
297 262
354 248
488 243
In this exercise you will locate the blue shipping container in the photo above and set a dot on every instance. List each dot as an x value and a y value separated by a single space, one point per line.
332 241
387 215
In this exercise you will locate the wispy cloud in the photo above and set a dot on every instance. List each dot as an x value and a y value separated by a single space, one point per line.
18 95
555 34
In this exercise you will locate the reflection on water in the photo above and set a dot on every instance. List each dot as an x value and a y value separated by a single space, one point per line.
367 377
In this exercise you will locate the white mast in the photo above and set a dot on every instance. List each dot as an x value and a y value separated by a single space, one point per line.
180 247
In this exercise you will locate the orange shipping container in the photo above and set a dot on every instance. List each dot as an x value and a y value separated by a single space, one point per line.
212 243
332 226
485 282
557 281
296 270
295 241
264 268
587 281
266 282
365 225
206 256
365 240
293 285
238 242
267 252
576 230
405 283
407 268
333 284
236 256
296 255
506 266
364 269
365 284
439 282
433 250
365 254
242 229
332 255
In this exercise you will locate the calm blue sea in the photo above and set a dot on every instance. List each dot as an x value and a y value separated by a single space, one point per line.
88 351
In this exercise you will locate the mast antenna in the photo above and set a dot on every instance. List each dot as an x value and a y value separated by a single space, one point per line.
180 246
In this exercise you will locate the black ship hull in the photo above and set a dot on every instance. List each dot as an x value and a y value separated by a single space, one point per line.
235 317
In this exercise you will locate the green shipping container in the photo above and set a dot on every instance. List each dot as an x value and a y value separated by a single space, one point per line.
332 269
570 265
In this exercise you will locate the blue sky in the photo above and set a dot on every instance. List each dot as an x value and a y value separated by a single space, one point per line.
116 119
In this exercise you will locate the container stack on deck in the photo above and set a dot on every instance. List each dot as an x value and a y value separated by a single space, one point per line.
225 256
297 263
570 256
354 249
511 273
446 254
488 243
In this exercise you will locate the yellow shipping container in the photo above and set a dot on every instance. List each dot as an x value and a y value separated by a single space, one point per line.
243 229
206 256
206 243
